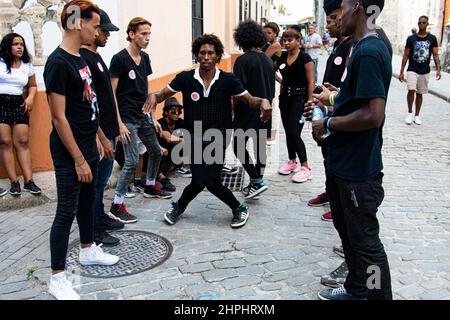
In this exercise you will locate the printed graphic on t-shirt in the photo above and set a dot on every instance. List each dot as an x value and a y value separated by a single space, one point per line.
88 92
422 51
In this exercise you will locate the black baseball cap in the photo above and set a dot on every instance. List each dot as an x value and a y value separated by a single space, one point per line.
105 22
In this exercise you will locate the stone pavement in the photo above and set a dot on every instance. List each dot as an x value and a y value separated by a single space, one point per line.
285 247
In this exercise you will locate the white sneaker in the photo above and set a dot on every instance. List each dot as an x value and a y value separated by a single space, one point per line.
409 119
61 288
417 120
94 255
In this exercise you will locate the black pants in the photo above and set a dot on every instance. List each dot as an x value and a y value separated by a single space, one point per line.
74 200
354 206
292 109
207 176
255 171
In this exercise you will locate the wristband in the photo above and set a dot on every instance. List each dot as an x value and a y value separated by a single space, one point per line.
331 99
325 111
328 125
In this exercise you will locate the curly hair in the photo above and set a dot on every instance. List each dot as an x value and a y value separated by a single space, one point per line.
6 52
208 39
249 35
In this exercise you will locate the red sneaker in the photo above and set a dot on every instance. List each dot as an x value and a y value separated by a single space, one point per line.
320 201
327 217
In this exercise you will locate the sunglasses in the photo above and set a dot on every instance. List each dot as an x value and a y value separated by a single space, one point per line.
174 111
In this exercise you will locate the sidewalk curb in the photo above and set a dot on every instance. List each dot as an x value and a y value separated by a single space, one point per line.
437 93
25 201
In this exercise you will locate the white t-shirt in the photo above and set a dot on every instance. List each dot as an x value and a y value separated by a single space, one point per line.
314 40
13 83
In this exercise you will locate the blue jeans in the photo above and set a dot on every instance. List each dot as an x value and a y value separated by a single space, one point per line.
105 168
316 69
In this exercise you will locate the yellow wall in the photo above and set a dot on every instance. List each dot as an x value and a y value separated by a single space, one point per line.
447 12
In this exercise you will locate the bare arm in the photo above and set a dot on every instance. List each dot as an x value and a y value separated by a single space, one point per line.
274 49
309 69
124 132
31 90
257 103
154 98
404 61
437 62
57 105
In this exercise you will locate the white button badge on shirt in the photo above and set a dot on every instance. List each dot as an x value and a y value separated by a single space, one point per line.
195 96
282 66
338 61
132 75
100 67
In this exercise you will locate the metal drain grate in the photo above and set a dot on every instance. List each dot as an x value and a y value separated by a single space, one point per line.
234 182
138 251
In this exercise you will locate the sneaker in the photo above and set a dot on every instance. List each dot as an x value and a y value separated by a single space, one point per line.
230 170
409 119
246 191
339 250
328 217
3 192
173 214
288 168
130 193
61 288
319 201
304 175
256 188
156 191
101 237
138 186
167 185
106 223
15 189
119 212
240 216
94 255
185 173
417 120
338 294
336 278
32 188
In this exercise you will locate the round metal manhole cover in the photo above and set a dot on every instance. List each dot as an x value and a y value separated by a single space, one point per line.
138 251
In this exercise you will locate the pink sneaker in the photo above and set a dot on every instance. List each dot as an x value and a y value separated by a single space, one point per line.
304 175
288 168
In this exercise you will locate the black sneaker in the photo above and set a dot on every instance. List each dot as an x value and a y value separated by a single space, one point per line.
256 188
240 216
138 186
32 188
185 173
3 192
338 294
173 214
156 191
15 189
167 185
104 238
119 212
230 170
106 223
336 278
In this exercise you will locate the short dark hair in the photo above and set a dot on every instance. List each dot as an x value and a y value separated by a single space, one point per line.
291 33
275 27
134 25
249 35
6 52
424 17
208 39
367 3
87 9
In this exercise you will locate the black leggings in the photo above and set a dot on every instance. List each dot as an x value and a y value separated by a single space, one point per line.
75 199
255 171
292 109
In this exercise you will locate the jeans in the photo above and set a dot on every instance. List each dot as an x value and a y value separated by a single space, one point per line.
105 168
147 134
316 69
75 199
292 109
354 206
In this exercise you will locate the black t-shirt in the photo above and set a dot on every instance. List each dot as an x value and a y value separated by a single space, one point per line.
179 124
132 90
70 76
255 70
421 50
337 61
356 156
212 108
294 75
105 97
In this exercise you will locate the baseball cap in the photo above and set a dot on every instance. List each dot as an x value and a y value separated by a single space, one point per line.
105 22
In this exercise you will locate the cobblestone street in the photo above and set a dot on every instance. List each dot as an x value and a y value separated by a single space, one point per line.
285 248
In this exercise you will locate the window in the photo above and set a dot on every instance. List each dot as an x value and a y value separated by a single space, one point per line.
246 9
197 18
257 11
241 9
249 9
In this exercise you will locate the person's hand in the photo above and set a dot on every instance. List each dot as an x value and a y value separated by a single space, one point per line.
83 172
330 87
323 97
438 75
107 149
164 152
318 130
266 110
401 77
158 128
101 151
309 107
125 135
27 105
150 104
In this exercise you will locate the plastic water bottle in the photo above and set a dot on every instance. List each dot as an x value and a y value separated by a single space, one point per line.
317 115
